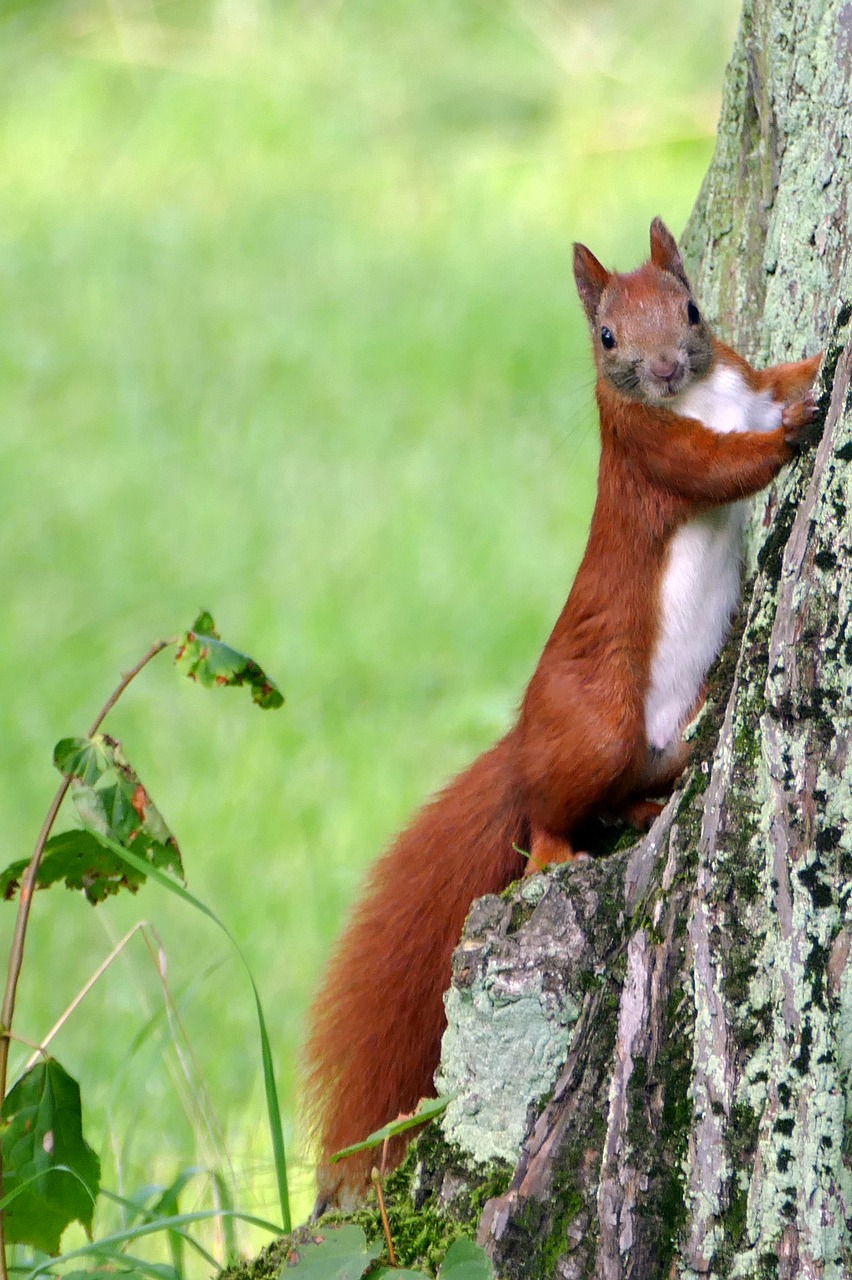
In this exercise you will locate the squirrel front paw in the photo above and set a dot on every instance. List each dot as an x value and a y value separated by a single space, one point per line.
796 418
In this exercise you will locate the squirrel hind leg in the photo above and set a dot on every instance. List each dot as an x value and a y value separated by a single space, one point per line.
546 849
641 813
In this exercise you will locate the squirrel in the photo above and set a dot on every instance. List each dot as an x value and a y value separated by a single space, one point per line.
688 431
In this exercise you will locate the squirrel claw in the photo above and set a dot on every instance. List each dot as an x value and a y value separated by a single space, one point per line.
796 417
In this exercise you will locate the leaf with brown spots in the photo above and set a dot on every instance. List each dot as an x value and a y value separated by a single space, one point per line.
203 656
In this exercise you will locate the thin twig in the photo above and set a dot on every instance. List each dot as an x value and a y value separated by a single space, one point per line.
377 1183
82 993
126 680
25 897
28 1044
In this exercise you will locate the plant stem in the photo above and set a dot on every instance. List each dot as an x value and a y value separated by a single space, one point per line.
127 679
41 1049
25 897
377 1183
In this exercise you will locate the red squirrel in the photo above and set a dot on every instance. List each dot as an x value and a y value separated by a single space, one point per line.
688 430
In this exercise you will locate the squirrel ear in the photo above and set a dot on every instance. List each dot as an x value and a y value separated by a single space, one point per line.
665 253
591 279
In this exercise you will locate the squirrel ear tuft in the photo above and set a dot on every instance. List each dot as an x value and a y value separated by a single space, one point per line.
665 253
591 279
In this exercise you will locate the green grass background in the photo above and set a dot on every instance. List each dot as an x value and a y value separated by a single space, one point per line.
288 331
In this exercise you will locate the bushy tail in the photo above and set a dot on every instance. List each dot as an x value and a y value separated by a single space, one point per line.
377 1022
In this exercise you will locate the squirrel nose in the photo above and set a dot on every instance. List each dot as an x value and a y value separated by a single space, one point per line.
664 368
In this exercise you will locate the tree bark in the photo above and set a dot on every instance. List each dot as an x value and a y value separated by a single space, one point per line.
700 1125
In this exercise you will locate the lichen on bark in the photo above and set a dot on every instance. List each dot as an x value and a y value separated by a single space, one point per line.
522 975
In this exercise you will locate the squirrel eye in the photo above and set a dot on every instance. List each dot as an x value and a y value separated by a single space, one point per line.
607 338
693 315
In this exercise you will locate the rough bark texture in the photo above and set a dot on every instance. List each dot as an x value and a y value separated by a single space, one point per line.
700 1125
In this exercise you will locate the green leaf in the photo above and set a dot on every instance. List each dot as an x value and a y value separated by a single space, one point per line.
203 656
337 1253
41 1128
466 1260
80 860
114 805
11 878
427 1109
109 796
204 625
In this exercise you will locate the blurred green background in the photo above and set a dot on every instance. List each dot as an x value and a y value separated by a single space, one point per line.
289 332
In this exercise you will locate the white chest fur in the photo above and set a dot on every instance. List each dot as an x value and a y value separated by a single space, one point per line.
701 578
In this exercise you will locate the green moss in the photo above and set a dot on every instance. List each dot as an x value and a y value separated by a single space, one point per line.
269 1261
735 1219
741 1136
675 1073
767 1267
422 1227
494 1184
637 1111
696 785
432 1158
550 1235
521 911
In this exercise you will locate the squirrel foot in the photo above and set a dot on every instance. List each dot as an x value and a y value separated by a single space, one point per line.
548 849
796 418
641 813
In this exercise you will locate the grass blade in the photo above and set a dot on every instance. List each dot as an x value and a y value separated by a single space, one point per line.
147 1229
272 1106
150 1215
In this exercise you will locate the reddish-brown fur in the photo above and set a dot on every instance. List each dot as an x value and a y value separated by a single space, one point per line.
579 745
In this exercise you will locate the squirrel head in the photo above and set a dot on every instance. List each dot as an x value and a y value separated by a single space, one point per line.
650 339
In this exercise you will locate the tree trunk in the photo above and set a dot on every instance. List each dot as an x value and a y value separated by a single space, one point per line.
700 1123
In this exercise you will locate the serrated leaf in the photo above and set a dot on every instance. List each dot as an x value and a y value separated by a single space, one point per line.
466 1260
41 1128
203 656
427 1109
112 802
337 1253
10 879
78 859
107 791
